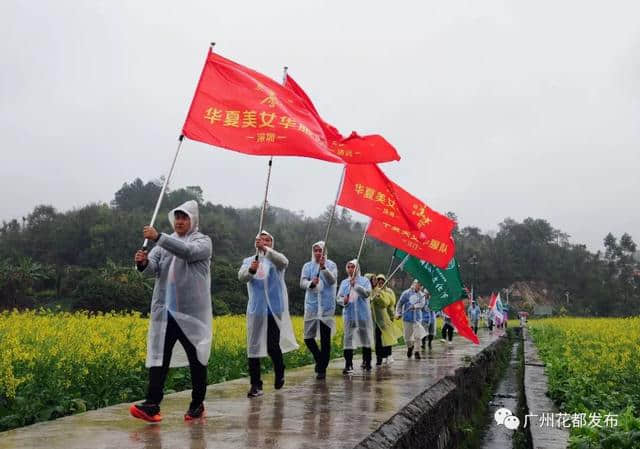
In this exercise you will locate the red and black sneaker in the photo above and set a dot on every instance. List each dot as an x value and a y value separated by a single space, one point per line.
195 413
146 411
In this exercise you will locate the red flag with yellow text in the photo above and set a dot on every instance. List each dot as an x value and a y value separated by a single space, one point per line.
355 149
432 250
366 189
240 109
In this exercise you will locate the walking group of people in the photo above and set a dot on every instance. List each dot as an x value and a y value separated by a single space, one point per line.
181 311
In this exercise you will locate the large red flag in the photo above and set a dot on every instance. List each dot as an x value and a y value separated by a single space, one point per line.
459 319
240 109
354 149
432 250
366 189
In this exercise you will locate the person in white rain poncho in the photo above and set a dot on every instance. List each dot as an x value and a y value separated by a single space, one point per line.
319 280
269 329
180 308
409 307
353 295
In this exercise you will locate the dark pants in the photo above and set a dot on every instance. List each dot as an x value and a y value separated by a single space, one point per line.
428 338
447 332
273 349
348 357
381 351
321 355
158 374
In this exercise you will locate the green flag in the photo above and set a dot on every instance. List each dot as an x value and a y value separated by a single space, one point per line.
445 285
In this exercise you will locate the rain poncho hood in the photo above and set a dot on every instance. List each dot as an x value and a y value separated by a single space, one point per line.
319 301
267 296
358 324
182 267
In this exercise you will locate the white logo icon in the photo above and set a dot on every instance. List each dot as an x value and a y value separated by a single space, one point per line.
503 416
511 422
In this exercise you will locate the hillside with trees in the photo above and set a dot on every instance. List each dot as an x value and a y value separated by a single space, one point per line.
83 258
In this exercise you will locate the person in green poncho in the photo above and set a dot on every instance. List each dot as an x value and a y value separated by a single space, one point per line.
383 305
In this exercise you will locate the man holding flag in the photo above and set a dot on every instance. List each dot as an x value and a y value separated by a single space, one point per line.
269 328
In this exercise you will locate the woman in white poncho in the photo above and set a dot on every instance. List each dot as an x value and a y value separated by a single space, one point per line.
319 279
269 328
180 308
353 295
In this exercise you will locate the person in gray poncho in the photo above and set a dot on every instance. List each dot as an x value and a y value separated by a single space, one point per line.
180 309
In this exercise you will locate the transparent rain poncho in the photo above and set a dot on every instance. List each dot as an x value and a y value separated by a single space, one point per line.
320 301
267 295
358 324
182 267
428 315
410 307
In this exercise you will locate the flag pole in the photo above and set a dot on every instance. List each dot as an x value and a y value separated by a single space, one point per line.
393 256
395 271
266 188
364 237
145 245
333 212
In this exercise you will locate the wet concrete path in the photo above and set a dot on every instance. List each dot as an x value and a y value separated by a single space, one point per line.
338 412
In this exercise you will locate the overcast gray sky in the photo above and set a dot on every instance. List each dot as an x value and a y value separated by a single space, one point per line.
498 108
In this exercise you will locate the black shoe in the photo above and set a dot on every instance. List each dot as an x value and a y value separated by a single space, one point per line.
194 412
417 355
409 352
279 383
321 375
367 366
255 391
379 362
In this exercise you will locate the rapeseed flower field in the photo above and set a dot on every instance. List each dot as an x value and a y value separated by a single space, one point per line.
55 364
593 365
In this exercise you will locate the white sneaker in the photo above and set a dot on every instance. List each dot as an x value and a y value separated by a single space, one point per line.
389 360
442 340
450 342
385 361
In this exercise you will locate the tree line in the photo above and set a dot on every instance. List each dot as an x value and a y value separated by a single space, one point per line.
83 258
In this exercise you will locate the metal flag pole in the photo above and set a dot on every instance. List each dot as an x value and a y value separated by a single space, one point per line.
364 237
145 245
394 271
333 212
393 256
266 187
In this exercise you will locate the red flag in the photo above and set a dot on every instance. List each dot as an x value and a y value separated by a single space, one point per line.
240 109
354 149
432 250
366 189
492 301
459 319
